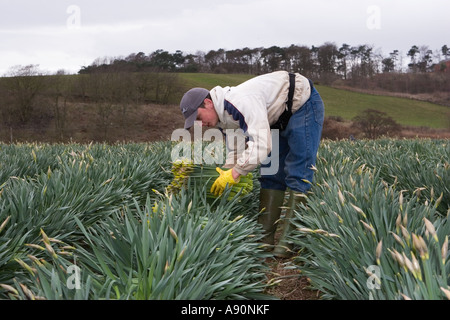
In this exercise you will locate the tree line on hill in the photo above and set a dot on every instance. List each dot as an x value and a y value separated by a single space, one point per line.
324 63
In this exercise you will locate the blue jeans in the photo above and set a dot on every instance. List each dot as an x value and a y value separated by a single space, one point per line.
298 146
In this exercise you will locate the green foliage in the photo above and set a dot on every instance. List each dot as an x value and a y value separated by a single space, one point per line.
174 250
102 210
96 222
364 234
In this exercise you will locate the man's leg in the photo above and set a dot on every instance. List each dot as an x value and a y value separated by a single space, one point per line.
272 194
284 247
303 134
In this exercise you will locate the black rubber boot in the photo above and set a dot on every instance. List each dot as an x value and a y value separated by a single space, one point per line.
284 247
270 202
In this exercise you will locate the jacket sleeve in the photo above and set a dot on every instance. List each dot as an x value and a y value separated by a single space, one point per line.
235 146
251 113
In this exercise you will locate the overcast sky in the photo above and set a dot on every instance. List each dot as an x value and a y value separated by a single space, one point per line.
61 34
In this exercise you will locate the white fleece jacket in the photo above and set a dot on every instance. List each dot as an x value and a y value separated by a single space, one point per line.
253 107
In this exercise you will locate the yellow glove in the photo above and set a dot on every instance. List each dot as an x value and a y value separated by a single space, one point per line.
226 177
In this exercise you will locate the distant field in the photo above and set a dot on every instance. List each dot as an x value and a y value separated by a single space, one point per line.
407 112
348 104
209 81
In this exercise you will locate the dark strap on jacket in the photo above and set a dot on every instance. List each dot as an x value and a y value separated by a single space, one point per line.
283 120
291 92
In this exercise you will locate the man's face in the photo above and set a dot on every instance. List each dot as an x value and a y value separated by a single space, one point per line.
208 115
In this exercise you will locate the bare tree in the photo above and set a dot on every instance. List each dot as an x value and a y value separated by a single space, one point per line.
425 59
60 90
165 85
327 56
374 123
24 85
343 54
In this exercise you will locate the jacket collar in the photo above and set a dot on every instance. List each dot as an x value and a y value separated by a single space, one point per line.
218 98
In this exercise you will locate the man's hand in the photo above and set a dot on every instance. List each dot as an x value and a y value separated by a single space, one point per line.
226 177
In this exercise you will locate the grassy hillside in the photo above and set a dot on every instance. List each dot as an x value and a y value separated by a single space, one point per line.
348 104
209 81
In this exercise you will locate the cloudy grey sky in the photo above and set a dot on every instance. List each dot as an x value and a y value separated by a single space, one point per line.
61 34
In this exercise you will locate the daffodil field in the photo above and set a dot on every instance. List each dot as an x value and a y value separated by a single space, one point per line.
101 221
377 223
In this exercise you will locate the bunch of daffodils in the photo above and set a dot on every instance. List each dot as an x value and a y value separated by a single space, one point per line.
187 174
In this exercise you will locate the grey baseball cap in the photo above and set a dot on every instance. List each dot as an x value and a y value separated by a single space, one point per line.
190 103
